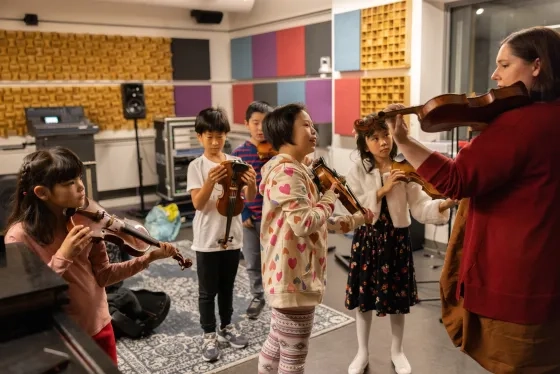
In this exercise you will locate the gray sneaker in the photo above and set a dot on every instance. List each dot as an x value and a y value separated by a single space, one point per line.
232 336
210 349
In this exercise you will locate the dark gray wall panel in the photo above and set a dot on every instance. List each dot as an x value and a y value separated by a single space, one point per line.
190 59
266 92
317 45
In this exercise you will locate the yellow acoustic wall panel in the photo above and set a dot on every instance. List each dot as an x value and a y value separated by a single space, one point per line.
385 34
28 59
31 56
102 105
377 93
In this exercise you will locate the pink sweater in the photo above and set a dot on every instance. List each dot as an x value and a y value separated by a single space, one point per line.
87 276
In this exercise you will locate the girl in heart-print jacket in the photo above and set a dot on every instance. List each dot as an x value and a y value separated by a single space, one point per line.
294 230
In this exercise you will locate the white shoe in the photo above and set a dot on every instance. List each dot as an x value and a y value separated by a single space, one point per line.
357 367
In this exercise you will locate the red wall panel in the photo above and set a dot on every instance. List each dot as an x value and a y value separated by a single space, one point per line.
347 104
242 96
290 52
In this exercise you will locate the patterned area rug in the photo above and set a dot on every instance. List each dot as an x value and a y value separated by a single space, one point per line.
174 348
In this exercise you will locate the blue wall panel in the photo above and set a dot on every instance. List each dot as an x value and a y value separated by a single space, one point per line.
347 41
241 58
291 92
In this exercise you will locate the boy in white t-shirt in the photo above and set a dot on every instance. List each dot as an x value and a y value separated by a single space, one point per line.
216 267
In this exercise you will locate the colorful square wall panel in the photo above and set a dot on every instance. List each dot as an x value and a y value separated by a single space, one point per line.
377 93
189 100
290 52
190 59
347 41
242 58
266 92
264 55
384 36
347 104
242 96
291 92
318 42
318 99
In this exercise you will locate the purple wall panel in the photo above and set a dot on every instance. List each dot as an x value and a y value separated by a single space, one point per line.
264 55
318 99
189 100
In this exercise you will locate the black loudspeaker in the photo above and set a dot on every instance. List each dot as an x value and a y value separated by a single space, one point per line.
31 19
208 17
134 105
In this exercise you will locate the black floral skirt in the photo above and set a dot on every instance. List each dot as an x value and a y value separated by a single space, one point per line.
381 275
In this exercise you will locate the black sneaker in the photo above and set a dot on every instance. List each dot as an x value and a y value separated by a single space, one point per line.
255 307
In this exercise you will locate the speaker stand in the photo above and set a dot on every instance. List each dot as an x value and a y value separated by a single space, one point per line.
142 212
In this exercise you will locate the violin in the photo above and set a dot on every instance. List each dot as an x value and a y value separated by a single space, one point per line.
324 178
129 235
266 151
448 111
412 176
230 203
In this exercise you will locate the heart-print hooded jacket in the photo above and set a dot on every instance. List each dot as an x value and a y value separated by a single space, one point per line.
294 230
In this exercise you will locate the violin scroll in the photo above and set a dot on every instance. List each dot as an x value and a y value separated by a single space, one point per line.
412 176
326 177
266 151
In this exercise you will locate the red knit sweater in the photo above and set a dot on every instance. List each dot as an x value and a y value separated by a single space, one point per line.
510 268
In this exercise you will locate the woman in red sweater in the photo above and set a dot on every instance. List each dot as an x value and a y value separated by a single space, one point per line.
509 277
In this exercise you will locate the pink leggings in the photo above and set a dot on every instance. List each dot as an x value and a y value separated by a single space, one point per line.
285 349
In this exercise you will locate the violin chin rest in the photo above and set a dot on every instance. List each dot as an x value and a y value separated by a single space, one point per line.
69 212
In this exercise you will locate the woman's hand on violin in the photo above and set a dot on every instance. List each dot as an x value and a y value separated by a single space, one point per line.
216 174
397 126
166 250
75 242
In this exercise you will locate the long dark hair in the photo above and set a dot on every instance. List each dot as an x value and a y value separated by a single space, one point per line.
41 168
542 43
368 160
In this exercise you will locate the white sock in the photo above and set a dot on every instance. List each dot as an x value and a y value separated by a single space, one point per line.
402 366
363 327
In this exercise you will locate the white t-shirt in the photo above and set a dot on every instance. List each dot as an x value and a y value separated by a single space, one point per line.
209 225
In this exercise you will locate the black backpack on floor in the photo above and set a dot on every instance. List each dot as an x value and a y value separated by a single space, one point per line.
134 313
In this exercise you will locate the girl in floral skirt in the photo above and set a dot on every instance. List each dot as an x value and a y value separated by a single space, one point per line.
381 276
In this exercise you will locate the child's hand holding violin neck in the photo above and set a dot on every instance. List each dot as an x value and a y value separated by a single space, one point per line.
216 174
394 177
447 204
75 242
250 177
368 216
166 250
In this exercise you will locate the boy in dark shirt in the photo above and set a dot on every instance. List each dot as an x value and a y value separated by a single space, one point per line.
251 214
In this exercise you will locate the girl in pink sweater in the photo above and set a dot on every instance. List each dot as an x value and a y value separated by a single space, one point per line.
294 239
49 182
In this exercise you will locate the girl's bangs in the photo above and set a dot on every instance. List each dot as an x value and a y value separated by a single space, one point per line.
65 166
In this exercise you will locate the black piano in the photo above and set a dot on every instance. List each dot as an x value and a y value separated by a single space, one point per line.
36 336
